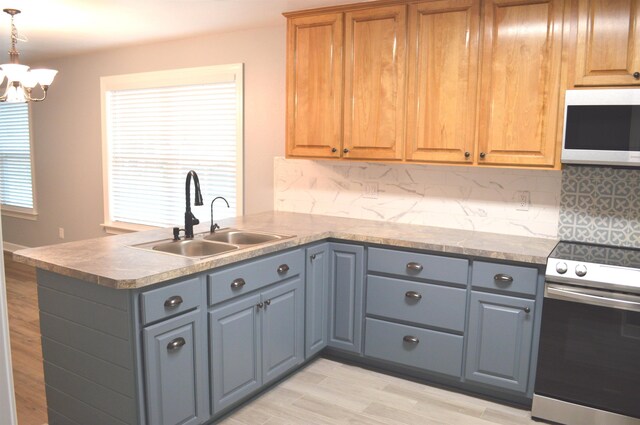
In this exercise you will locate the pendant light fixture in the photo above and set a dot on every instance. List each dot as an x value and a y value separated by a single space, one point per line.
20 80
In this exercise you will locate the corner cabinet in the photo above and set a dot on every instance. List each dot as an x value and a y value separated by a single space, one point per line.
346 286
317 299
314 85
608 46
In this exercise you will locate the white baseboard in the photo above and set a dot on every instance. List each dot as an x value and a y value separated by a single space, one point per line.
12 247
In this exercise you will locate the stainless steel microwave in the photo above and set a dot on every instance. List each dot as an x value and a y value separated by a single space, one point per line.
602 127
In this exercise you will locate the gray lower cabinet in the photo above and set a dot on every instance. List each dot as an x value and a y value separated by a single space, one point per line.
254 340
499 340
317 299
176 371
346 283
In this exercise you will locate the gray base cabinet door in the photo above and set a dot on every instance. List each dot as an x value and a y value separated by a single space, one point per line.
176 371
499 340
282 319
235 351
317 298
346 282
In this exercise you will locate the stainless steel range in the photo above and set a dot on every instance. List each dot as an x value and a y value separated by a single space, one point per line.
589 357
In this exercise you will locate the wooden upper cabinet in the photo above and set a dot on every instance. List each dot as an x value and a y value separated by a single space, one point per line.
443 58
608 47
314 85
520 82
374 83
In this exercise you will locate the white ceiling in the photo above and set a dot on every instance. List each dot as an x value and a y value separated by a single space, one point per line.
57 28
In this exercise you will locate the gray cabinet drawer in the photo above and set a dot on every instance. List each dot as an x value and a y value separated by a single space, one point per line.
423 266
244 278
433 351
515 279
421 303
170 300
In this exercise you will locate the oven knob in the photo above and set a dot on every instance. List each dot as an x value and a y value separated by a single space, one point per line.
581 270
561 268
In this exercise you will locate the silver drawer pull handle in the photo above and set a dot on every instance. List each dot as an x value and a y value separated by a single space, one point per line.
413 295
283 269
414 267
176 344
173 302
503 278
411 339
238 283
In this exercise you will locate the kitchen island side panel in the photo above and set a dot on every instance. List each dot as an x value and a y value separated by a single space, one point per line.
88 352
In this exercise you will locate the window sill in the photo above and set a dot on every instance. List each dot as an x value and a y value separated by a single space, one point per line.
120 228
23 214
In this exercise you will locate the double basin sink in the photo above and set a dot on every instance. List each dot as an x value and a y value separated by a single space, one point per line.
209 244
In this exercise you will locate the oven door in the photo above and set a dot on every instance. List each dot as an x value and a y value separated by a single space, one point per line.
589 351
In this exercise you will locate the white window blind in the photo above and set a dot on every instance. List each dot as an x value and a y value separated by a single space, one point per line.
155 135
15 157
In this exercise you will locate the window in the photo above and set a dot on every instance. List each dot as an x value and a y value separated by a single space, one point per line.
16 178
159 125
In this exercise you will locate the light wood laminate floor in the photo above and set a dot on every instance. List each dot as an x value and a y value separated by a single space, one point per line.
325 392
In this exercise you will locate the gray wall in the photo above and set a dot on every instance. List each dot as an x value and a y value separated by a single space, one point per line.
600 205
67 128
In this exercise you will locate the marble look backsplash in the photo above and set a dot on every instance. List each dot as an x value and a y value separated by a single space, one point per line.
600 205
470 198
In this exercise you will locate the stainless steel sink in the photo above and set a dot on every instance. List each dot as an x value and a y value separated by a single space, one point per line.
210 244
243 237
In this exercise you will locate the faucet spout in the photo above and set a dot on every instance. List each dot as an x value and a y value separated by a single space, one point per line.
189 219
215 226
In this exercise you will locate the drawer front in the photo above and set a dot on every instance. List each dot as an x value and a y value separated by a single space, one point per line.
503 277
244 278
170 300
423 266
430 350
421 303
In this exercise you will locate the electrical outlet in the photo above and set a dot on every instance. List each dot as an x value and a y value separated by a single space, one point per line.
61 232
370 190
523 200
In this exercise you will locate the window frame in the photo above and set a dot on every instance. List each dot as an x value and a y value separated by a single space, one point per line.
21 212
169 78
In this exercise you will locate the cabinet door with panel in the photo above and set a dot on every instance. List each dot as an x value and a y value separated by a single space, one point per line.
317 299
176 371
374 100
346 282
314 85
282 328
443 68
499 340
235 351
607 47
520 82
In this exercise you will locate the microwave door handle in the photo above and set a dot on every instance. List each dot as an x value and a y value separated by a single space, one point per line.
584 296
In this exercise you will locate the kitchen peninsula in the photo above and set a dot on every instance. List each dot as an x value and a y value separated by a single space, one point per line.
134 336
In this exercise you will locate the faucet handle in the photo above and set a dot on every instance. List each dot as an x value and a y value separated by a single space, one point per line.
176 233
213 227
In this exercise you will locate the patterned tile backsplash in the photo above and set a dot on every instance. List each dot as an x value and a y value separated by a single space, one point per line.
600 205
471 198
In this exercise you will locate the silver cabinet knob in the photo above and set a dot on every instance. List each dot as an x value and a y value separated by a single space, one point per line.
283 268
238 283
414 267
173 302
260 305
176 344
581 270
411 339
562 267
267 302
413 295
527 310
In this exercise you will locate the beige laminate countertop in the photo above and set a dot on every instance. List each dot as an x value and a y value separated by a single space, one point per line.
111 261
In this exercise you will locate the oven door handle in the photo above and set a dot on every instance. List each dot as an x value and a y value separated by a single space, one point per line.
592 297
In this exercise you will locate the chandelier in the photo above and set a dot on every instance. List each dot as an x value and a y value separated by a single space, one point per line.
20 80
